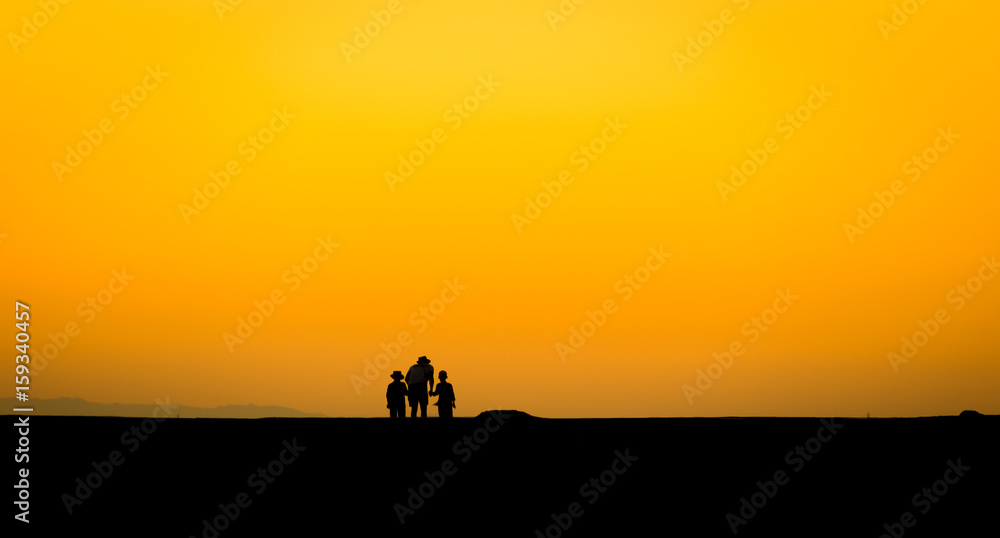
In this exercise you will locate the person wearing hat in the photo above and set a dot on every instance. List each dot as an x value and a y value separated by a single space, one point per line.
395 396
446 396
417 378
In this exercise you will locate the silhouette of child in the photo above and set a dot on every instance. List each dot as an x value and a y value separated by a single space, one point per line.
395 396
446 396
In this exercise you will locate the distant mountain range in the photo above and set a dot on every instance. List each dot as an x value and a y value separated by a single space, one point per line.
81 407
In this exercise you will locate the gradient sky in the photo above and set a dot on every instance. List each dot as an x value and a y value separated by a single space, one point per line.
870 97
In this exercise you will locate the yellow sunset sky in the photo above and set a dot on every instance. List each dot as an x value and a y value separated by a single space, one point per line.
574 209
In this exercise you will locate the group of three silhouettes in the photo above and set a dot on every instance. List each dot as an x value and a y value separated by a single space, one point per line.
419 383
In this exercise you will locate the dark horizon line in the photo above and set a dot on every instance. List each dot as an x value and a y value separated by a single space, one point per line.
195 412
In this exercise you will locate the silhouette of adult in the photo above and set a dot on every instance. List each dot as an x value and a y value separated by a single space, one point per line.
446 396
417 378
395 396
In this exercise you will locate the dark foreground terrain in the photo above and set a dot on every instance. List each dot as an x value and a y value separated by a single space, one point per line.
509 474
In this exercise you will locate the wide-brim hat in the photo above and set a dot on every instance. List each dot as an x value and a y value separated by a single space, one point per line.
423 360
397 375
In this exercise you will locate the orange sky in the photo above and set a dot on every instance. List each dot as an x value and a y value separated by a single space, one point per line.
368 185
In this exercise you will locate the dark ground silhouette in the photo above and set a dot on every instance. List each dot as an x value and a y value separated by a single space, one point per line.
509 474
